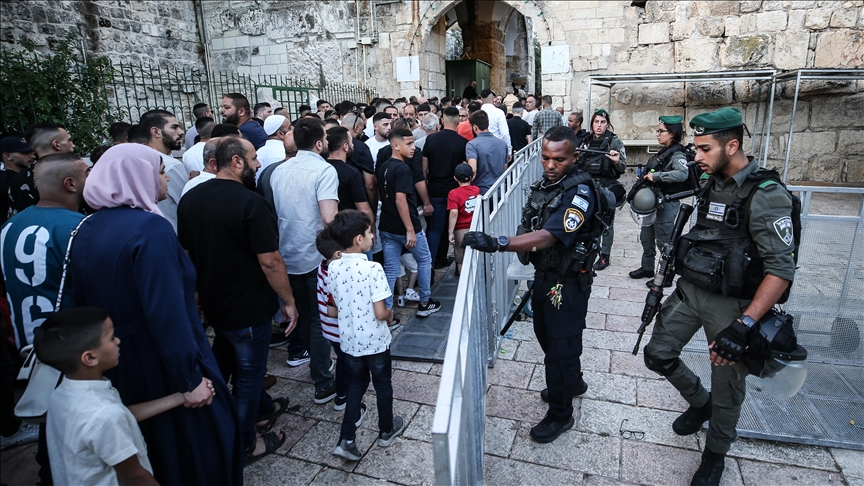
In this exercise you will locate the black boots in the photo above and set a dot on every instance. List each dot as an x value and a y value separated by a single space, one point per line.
642 273
691 421
710 470
602 262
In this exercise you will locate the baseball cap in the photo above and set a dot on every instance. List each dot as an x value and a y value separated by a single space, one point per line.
464 172
273 123
14 144
486 93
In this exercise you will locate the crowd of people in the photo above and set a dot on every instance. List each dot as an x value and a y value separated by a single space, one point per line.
313 224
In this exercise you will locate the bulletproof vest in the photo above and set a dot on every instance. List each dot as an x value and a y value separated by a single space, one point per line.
598 166
718 254
658 163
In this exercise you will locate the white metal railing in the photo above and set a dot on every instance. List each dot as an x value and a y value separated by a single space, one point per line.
481 307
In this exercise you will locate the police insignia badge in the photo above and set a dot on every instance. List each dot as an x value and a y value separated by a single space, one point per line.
697 130
573 219
783 227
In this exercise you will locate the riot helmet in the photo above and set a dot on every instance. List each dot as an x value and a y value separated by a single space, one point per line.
775 356
644 206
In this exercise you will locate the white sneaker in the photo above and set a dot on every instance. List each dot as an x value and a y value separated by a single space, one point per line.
26 434
400 300
412 295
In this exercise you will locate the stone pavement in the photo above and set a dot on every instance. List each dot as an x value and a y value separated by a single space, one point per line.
592 453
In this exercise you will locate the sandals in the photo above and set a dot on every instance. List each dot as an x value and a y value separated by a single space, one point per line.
271 418
272 442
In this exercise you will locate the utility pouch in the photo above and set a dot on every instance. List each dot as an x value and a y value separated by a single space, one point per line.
703 268
523 256
733 283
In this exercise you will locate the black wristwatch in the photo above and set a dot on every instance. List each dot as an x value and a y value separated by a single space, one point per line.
747 321
503 243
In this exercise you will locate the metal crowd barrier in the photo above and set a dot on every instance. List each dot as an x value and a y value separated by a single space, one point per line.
483 299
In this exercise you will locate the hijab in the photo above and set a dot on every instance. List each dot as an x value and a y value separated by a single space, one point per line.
126 175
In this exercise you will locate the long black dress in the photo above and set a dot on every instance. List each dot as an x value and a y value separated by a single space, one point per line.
130 263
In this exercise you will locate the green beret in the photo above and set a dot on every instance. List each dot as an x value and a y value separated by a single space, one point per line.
716 121
672 120
602 112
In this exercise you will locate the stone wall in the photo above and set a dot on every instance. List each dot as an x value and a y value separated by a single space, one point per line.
163 32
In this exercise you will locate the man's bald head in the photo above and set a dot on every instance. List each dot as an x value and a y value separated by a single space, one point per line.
210 154
290 146
60 179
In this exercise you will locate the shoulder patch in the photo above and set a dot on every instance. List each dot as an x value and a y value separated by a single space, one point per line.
767 183
580 203
783 227
573 219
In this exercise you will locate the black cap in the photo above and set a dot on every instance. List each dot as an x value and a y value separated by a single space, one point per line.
463 172
486 93
14 144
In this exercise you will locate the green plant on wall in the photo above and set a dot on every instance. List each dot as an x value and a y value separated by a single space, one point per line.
538 78
60 87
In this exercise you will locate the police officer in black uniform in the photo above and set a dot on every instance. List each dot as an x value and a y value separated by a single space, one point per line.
558 221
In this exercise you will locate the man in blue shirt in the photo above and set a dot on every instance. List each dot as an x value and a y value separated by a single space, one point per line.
235 110
486 153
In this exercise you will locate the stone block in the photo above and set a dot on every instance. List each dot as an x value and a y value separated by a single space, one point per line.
746 50
790 50
656 464
796 20
854 169
415 387
573 450
825 168
653 58
317 445
659 394
783 115
656 33
617 341
682 29
510 373
714 93
755 472
610 388
605 418
513 404
529 352
840 49
405 461
812 144
647 118
499 436
711 27
838 112
242 41
817 19
747 6
844 17
722 8
851 142
748 24
812 457
771 5
696 55
335 477
554 88
272 470
506 471
420 427
771 21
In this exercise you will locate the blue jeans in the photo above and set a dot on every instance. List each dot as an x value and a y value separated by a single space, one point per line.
250 345
305 289
393 245
436 224
379 366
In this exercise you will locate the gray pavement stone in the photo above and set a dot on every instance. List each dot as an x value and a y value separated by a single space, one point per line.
420 427
510 403
335 477
594 359
318 444
625 324
611 388
850 462
436 369
275 470
522 331
294 427
405 461
402 408
276 366
574 450
19 465
604 481
853 481
595 320
530 352
504 472
759 473
783 453
499 436
659 394
624 363
415 366
415 387
620 281
513 374
508 349
630 294
647 463
599 292
617 307
615 341
538 381
606 417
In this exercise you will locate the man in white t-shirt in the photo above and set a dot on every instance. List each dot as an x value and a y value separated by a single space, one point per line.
497 118
276 127
530 109
165 134
193 159
381 122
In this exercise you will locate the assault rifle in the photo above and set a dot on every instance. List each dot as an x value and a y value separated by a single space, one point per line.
665 273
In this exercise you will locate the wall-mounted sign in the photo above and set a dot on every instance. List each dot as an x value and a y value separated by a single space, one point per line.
555 59
407 68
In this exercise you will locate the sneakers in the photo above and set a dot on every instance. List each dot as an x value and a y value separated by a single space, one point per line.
580 390
347 451
549 429
641 273
386 438
297 359
324 395
278 339
339 403
602 263
26 434
710 470
400 300
691 421
362 415
412 295
430 308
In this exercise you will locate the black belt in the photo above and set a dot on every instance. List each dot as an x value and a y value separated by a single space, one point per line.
554 277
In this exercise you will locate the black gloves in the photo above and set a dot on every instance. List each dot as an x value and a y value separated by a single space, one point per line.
730 343
480 241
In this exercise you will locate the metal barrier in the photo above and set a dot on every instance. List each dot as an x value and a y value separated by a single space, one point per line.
483 299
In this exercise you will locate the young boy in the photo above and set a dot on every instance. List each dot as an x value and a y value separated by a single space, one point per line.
461 203
92 438
359 289
330 325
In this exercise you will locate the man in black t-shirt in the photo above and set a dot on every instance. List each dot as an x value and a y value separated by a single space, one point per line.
232 238
444 151
400 224
352 193
520 131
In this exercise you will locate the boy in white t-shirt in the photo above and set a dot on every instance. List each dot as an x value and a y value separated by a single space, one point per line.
92 438
359 288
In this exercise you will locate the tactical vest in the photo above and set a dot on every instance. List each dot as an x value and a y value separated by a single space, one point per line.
598 166
718 254
658 163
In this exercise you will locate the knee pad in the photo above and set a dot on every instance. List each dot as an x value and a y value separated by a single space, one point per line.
664 367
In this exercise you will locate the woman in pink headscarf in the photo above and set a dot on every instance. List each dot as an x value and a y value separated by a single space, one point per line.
127 260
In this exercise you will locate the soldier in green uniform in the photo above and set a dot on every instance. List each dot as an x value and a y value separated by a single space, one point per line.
606 169
735 264
666 171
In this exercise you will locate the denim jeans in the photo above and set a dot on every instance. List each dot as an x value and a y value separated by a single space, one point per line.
379 366
305 288
250 345
393 245
436 224
342 375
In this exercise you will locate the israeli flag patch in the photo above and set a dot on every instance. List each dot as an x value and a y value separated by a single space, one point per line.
580 203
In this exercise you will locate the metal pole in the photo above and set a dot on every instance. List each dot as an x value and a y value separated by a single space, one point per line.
791 126
588 110
756 123
768 118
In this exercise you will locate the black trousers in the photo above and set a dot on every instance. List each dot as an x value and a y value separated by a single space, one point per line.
559 332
